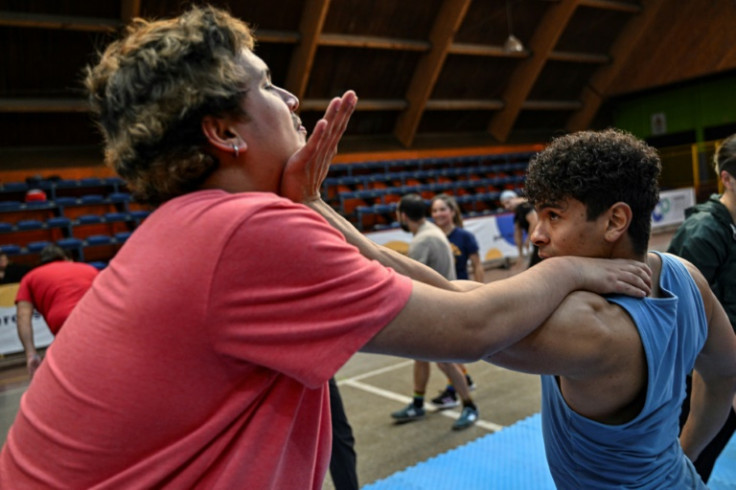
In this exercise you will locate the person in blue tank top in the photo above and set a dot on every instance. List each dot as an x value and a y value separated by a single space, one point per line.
614 368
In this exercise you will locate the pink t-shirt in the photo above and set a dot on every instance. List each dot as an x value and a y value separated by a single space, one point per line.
55 288
200 357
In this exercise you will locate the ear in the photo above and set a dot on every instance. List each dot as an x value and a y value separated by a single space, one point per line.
728 180
221 135
619 219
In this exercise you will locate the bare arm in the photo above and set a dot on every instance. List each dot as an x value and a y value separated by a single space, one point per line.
488 318
24 315
714 378
478 272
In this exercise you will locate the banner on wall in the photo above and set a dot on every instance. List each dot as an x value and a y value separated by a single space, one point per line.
670 209
495 234
9 341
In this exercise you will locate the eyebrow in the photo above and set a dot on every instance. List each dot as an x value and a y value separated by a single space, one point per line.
549 205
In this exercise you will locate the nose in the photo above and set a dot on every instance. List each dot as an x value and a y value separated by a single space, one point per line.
290 99
538 236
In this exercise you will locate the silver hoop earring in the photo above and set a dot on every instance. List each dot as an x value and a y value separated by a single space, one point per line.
236 150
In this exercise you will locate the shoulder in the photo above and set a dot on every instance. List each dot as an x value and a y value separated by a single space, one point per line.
700 281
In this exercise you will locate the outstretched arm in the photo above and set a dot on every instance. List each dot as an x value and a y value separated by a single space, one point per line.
308 167
487 317
714 378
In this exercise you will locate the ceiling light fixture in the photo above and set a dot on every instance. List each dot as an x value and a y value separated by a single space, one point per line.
512 44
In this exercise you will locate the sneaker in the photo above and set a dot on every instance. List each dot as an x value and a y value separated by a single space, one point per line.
467 418
446 399
409 413
471 383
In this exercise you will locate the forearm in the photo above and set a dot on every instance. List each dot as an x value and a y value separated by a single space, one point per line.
709 407
24 316
389 258
478 272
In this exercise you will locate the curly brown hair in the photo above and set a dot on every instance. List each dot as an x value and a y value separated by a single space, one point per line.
150 90
599 169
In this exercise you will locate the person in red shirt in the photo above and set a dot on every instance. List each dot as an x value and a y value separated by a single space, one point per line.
201 355
54 289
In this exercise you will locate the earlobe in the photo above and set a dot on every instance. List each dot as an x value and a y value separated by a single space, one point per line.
727 179
619 220
221 136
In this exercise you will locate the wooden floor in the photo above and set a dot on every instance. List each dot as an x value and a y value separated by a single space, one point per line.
372 387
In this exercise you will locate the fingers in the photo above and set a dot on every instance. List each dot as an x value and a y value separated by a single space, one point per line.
635 279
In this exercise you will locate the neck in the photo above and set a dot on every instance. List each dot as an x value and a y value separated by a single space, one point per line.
415 225
729 200
624 250
447 229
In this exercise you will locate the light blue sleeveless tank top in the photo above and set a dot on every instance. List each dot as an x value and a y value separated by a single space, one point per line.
644 452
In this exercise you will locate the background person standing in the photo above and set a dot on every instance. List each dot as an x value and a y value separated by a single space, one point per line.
431 247
707 238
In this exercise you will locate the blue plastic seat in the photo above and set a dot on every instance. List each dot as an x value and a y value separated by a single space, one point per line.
119 197
116 216
10 205
89 219
122 236
29 224
98 264
58 222
140 214
11 249
66 201
5 227
91 182
92 199
14 187
35 247
69 243
67 184
94 240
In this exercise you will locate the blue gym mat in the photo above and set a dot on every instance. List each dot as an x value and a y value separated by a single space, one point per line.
512 458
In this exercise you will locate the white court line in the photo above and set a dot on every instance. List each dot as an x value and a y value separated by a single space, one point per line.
383 370
453 414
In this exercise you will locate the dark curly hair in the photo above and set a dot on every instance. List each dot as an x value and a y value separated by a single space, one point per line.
150 90
599 169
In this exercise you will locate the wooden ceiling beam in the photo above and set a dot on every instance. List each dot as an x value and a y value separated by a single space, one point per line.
277 37
43 105
310 28
616 5
373 42
551 105
64 22
522 80
447 22
363 105
485 50
595 92
463 105
579 57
